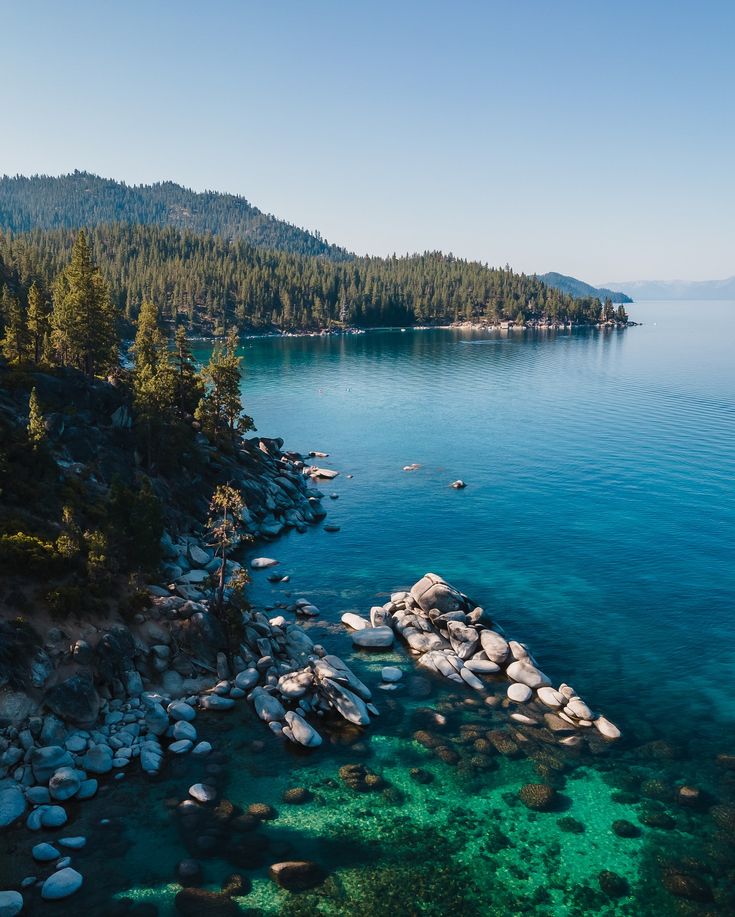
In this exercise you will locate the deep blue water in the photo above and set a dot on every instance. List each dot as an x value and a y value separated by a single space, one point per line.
599 516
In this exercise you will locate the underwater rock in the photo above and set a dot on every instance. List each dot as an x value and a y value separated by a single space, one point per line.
61 884
199 902
360 778
296 875
538 796
373 637
262 811
683 885
391 673
296 795
11 903
612 884
624 828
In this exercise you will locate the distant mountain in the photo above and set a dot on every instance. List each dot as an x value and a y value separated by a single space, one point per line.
83 199
579 288
682 289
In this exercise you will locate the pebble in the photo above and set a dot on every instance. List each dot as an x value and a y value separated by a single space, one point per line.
201 749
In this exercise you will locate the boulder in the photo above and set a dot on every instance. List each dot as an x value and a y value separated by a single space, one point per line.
482 666
46 817
391 673
494 646
45 761
203 793
247 679
199 556
298 730
356 622
296 875
65 783
75 700
267 706
181 747
98 759
463 639
184 730
12 805
527 674
61 884
519 693
551 698
180 710
431 591
45 853
261 563
156 720
11 903
215 702
606 728
373 637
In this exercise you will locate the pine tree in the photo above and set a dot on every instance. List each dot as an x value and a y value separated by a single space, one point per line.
154 379
38 315
36 427
225 510
83 320
189 388
220 408
16 340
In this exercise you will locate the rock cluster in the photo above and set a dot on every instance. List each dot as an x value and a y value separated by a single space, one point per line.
455 639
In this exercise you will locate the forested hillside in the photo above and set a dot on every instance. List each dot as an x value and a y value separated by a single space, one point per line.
207 283
81 199
576 287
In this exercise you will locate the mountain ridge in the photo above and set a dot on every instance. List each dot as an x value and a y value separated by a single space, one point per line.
85 199
576 287
681 289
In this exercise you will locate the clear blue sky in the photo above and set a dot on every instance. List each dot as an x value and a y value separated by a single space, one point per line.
593 138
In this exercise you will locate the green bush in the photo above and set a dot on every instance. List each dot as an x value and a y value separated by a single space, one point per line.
28 555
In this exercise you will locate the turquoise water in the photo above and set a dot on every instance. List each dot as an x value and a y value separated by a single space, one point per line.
597 526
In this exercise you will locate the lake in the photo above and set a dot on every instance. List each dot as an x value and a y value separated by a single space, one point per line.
596 526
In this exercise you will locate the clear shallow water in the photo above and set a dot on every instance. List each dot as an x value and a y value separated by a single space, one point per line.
597 525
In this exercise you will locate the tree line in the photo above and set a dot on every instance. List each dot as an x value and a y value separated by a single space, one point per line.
208 283
82 199
72 321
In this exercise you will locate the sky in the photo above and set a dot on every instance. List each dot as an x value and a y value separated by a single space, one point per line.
591 138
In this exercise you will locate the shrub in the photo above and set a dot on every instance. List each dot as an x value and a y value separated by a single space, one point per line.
28 555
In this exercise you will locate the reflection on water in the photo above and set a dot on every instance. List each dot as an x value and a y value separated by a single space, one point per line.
597 526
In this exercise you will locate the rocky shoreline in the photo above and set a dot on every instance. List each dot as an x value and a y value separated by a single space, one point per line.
130 693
